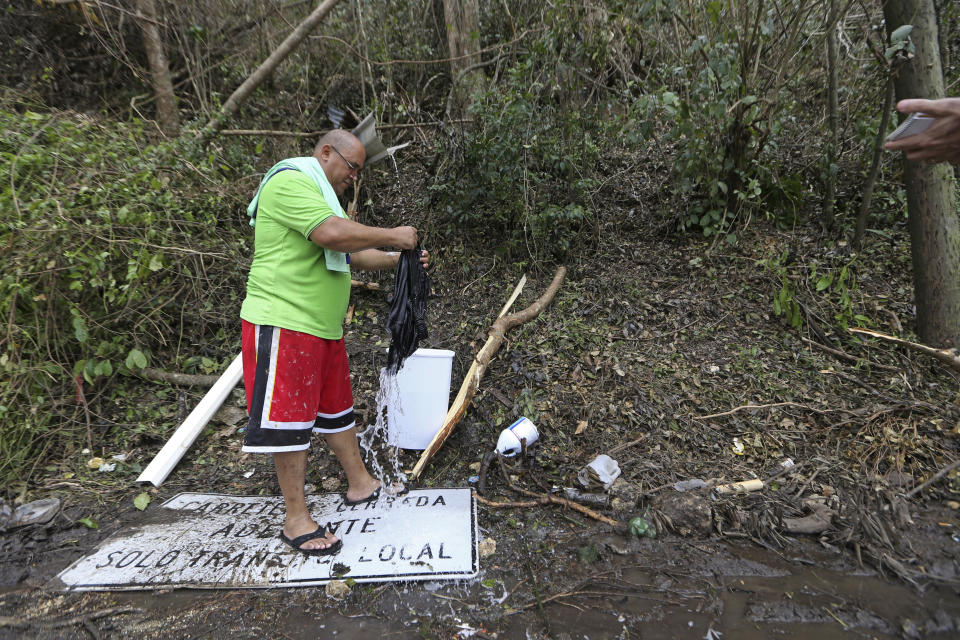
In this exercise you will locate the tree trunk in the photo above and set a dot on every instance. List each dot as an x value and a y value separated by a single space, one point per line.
833 113
931 204
462 18
266 69
159 67
871 182
943 19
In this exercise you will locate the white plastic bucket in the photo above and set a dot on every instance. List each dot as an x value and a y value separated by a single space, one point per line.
416 412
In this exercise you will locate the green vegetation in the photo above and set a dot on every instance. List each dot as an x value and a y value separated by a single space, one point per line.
594 127
107 260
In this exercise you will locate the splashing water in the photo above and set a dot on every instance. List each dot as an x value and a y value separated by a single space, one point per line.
395 168
375 440
390 152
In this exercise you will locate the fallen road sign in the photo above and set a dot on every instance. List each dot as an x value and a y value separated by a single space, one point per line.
215 541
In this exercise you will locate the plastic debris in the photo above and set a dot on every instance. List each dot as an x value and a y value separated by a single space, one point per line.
509 443
744 486
713 635
95 463
599 474
36 512
689 485
737 446
590 498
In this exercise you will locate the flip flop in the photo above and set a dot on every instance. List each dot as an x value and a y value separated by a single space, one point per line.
321 532
370 498
374 496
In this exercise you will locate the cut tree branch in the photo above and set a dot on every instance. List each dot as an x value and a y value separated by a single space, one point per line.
950 357
471 381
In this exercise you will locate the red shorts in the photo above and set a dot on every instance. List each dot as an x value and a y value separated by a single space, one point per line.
296 384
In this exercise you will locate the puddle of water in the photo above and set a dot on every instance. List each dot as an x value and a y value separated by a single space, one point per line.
665 589
751 594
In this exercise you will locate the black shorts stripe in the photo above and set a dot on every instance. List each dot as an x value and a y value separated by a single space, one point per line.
335 424
255 436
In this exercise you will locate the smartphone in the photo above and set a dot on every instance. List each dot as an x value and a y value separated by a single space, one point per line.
917 123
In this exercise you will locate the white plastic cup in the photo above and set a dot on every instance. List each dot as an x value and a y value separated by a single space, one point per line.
509 443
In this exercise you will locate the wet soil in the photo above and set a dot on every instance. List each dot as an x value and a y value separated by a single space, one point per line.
537 585
652 350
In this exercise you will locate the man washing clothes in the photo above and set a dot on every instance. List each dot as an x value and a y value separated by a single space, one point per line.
295 368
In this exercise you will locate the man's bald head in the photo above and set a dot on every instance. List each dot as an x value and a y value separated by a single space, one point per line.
339 138
341 156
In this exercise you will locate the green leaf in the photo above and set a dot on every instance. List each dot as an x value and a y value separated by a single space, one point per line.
824 282
80 329
136 359
141 501
156 263
88 523
642 528
90 371
489 583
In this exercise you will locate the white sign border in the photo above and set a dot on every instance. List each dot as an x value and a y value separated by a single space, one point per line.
284 583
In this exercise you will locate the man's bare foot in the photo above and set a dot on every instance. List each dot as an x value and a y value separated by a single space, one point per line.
365 492
362 490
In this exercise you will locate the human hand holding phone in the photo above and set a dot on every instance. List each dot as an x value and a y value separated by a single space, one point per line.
931 133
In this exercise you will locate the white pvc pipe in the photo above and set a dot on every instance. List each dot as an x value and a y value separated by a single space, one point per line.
168 457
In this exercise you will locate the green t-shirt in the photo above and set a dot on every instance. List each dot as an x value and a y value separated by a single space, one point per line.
289 285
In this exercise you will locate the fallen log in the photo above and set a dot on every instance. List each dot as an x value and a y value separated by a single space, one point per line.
950 357
471 381
172 377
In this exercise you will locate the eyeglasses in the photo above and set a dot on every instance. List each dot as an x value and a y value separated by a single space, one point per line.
354 167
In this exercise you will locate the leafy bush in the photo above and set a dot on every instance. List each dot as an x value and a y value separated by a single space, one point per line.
527 166
828 286
115 255
723 113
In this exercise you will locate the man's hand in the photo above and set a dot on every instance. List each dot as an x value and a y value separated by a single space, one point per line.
404 237
939 143
425 258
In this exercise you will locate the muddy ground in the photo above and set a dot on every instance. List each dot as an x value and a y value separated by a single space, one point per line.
651 351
